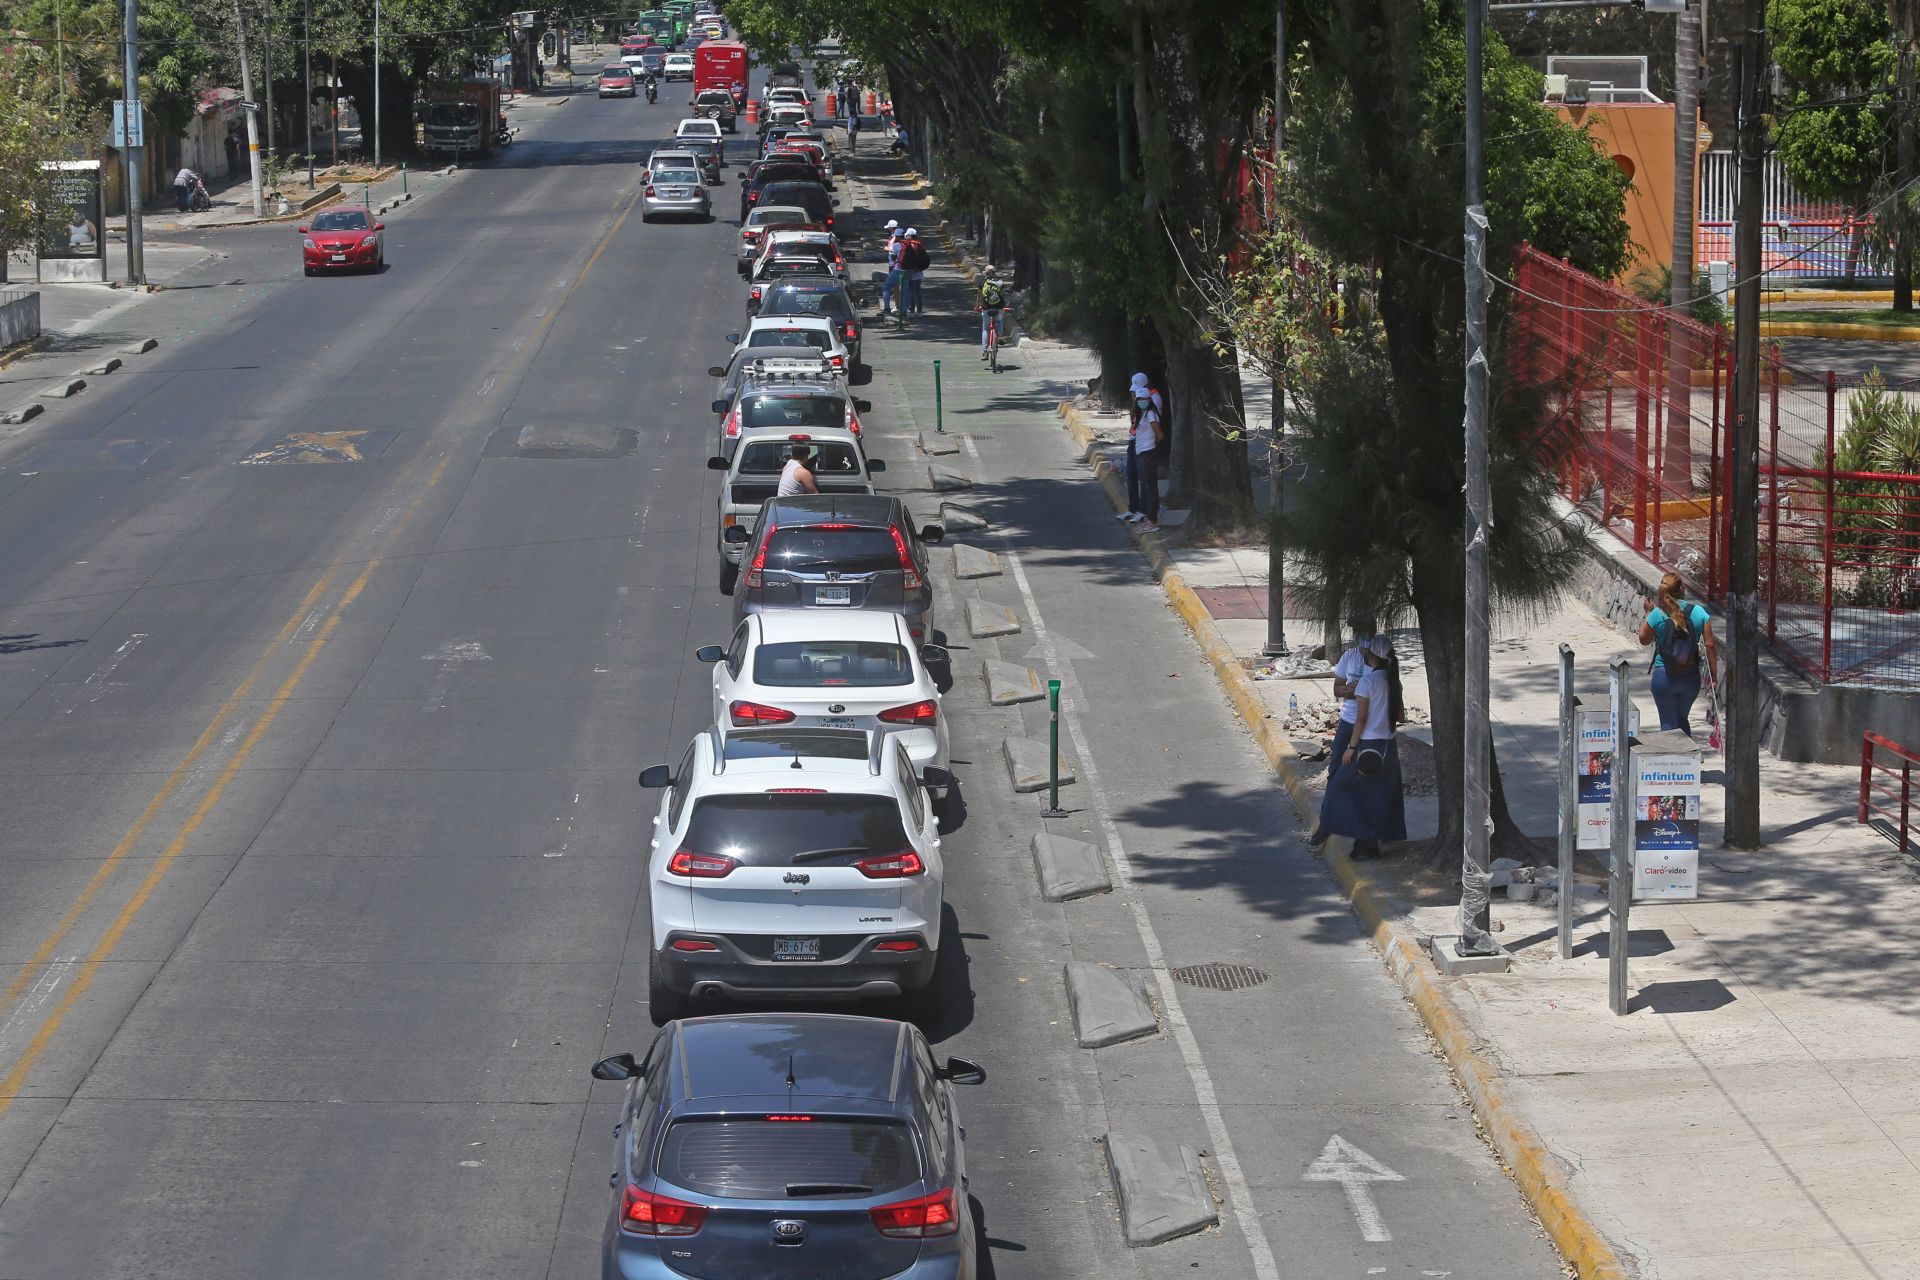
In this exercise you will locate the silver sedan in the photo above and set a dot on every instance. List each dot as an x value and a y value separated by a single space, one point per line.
681 192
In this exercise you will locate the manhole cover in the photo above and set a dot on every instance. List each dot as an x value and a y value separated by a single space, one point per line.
1221 977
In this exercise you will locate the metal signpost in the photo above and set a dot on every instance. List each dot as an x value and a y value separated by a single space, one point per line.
1620 867
1569 800
1053 809
939 418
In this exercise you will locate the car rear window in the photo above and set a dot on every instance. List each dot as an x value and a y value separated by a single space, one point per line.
755 1159
816 548
781 268
808 195
676 175
825 458
858 664
815 338
806 302
793 829
777 218
795 411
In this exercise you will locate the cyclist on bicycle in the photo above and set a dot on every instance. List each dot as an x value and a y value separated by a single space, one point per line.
992 306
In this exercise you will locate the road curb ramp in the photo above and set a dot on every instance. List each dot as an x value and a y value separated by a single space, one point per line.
1522 1150
1009 683
1068 869
973 562
1027 765
987 619
1162 1189
1108 1006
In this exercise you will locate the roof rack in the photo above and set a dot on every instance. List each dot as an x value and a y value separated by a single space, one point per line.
789 369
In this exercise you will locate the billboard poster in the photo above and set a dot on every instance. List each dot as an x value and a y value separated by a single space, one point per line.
72 227
1666 826
1593 774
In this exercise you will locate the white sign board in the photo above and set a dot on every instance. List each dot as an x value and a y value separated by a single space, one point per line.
1666 826
1593 774
128 124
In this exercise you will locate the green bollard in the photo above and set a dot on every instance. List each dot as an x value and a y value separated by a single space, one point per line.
366 195
403 177
1053 809
939 416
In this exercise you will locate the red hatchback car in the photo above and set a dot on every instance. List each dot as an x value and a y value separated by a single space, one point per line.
343 240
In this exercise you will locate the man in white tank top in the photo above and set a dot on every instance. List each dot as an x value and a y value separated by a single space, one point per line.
795 477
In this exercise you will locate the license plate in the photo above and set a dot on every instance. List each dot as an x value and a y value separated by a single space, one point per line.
833 595
796 948
836 722
339 257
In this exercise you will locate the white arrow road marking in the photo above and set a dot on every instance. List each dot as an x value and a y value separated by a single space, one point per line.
1342 1162
450 655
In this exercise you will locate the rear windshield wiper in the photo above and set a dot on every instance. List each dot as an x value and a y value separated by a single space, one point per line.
827 1189
821 855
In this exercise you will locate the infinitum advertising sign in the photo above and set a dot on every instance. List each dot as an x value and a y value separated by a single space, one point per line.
1666 826
1593 774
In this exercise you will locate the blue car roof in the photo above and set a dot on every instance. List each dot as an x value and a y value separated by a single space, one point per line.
830 1055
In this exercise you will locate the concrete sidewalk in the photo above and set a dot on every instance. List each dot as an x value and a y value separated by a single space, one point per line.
1751 1116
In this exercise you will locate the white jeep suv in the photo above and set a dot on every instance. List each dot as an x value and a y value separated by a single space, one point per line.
792 864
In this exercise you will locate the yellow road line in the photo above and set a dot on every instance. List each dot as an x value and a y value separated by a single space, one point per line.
175 780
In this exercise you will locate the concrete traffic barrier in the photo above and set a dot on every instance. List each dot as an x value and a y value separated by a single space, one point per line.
1027 765
1163 1192
140 348
102 369
943 481
973 562
62 389
987 619
962 518
1108 1006
22 413
1009 683
1068 869
937 444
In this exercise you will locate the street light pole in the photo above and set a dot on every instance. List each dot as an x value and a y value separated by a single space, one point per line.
376 84
266 70
136 247
249 109
1476 731
1276 447
306 103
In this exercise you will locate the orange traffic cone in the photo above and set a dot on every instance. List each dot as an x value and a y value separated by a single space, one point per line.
753 111
833 104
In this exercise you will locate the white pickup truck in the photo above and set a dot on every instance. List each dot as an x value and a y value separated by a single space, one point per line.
838 461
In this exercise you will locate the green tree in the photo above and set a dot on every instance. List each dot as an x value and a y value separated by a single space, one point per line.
29 135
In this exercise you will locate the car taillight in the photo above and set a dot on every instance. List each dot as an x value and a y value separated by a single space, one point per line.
758 567
649 190
694 944
839 362
704 866
897 944
733 422
756 292
917 1219
912 574
853 422
924 712
852 332
746 713
645 1214
891 866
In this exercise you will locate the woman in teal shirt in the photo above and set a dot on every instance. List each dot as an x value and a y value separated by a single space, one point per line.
1682 631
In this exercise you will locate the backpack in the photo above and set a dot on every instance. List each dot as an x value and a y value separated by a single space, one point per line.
916 257
991 294
1677 646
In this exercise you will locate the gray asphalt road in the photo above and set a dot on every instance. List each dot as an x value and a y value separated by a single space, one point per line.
324 858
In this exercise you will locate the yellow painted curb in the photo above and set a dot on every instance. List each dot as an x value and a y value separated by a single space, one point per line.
1856 332
1826 295
1524 1153
21 350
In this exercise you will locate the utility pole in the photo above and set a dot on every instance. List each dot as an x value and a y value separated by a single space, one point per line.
266 69
1276 447
1742 829
249 109
1477 735
376 85
1676 466
136 246
306 103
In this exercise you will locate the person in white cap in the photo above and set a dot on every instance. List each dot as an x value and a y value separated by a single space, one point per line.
1140 394
1365 800
915 260
895 275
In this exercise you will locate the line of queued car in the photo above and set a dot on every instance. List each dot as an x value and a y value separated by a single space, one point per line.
795 856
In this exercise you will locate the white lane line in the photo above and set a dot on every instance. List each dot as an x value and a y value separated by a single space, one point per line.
97 685
486 386
37 995
1239 1194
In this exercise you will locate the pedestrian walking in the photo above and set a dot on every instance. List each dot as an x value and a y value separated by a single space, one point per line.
1681 633
183 186
233 151
1365 800
896 274
1143 471
1346 680
914 260
853 129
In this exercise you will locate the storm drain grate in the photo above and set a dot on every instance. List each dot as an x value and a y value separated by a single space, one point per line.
1217 976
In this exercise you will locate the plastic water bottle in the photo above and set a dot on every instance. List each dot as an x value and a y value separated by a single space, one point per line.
1293 704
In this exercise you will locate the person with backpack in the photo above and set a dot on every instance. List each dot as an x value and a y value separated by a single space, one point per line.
914 260
896 274
993 301
1681 634
1365 798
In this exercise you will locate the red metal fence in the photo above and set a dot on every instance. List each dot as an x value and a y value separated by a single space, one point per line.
1901 767
1643 397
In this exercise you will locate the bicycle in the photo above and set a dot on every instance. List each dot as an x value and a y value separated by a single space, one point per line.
993 337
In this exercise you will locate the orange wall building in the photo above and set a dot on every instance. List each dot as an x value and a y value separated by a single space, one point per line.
1639 137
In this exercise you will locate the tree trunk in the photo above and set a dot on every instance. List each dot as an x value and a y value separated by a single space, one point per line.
1210 475
1903 235
1676 465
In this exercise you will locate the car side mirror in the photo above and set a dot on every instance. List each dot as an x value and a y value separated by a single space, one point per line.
931 653
709 653
716 464
379 226
836 202
619 1067
933 533
302 230
656 776
735 534
934 776
716 371
734 338
863 406
719 407
875 466
962 1071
